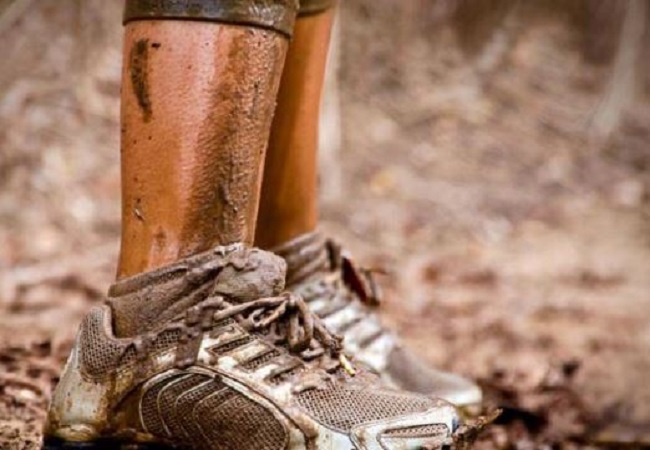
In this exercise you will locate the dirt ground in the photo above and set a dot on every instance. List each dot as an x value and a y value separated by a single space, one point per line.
514 233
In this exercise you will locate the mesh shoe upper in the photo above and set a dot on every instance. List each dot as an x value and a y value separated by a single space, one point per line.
344 295
342 407
232 371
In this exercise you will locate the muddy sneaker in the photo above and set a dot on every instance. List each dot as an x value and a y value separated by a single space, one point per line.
206 354
344 296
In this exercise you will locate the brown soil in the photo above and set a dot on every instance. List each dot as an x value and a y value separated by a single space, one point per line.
516 238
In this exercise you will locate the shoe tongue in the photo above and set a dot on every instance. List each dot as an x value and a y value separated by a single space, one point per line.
306 256
147 301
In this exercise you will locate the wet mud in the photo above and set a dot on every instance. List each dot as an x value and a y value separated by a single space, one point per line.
139 71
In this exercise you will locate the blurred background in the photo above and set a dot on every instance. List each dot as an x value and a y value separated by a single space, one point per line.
492 155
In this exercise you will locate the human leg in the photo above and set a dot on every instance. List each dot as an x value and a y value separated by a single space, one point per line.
197 348
289 206
197 102
343 295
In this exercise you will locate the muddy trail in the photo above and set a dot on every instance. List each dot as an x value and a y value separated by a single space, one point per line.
514 234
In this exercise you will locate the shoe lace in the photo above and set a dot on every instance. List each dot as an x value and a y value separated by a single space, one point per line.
284 320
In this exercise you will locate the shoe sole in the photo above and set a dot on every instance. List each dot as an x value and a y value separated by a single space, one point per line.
58 444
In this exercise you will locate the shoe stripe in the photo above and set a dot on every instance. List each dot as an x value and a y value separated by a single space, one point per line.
272 372
332 307
345 327
266 358
184 408
250 351
231 346
225 336
149 413
344 318
370 338
376 354
168 396
319 305
206 408
363 332
265 371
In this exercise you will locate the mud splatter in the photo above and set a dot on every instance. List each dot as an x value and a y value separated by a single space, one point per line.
139 61
231 142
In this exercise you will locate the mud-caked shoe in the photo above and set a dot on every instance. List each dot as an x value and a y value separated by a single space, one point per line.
344 297
206 354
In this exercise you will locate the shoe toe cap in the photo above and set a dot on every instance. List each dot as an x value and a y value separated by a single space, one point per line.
409 373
